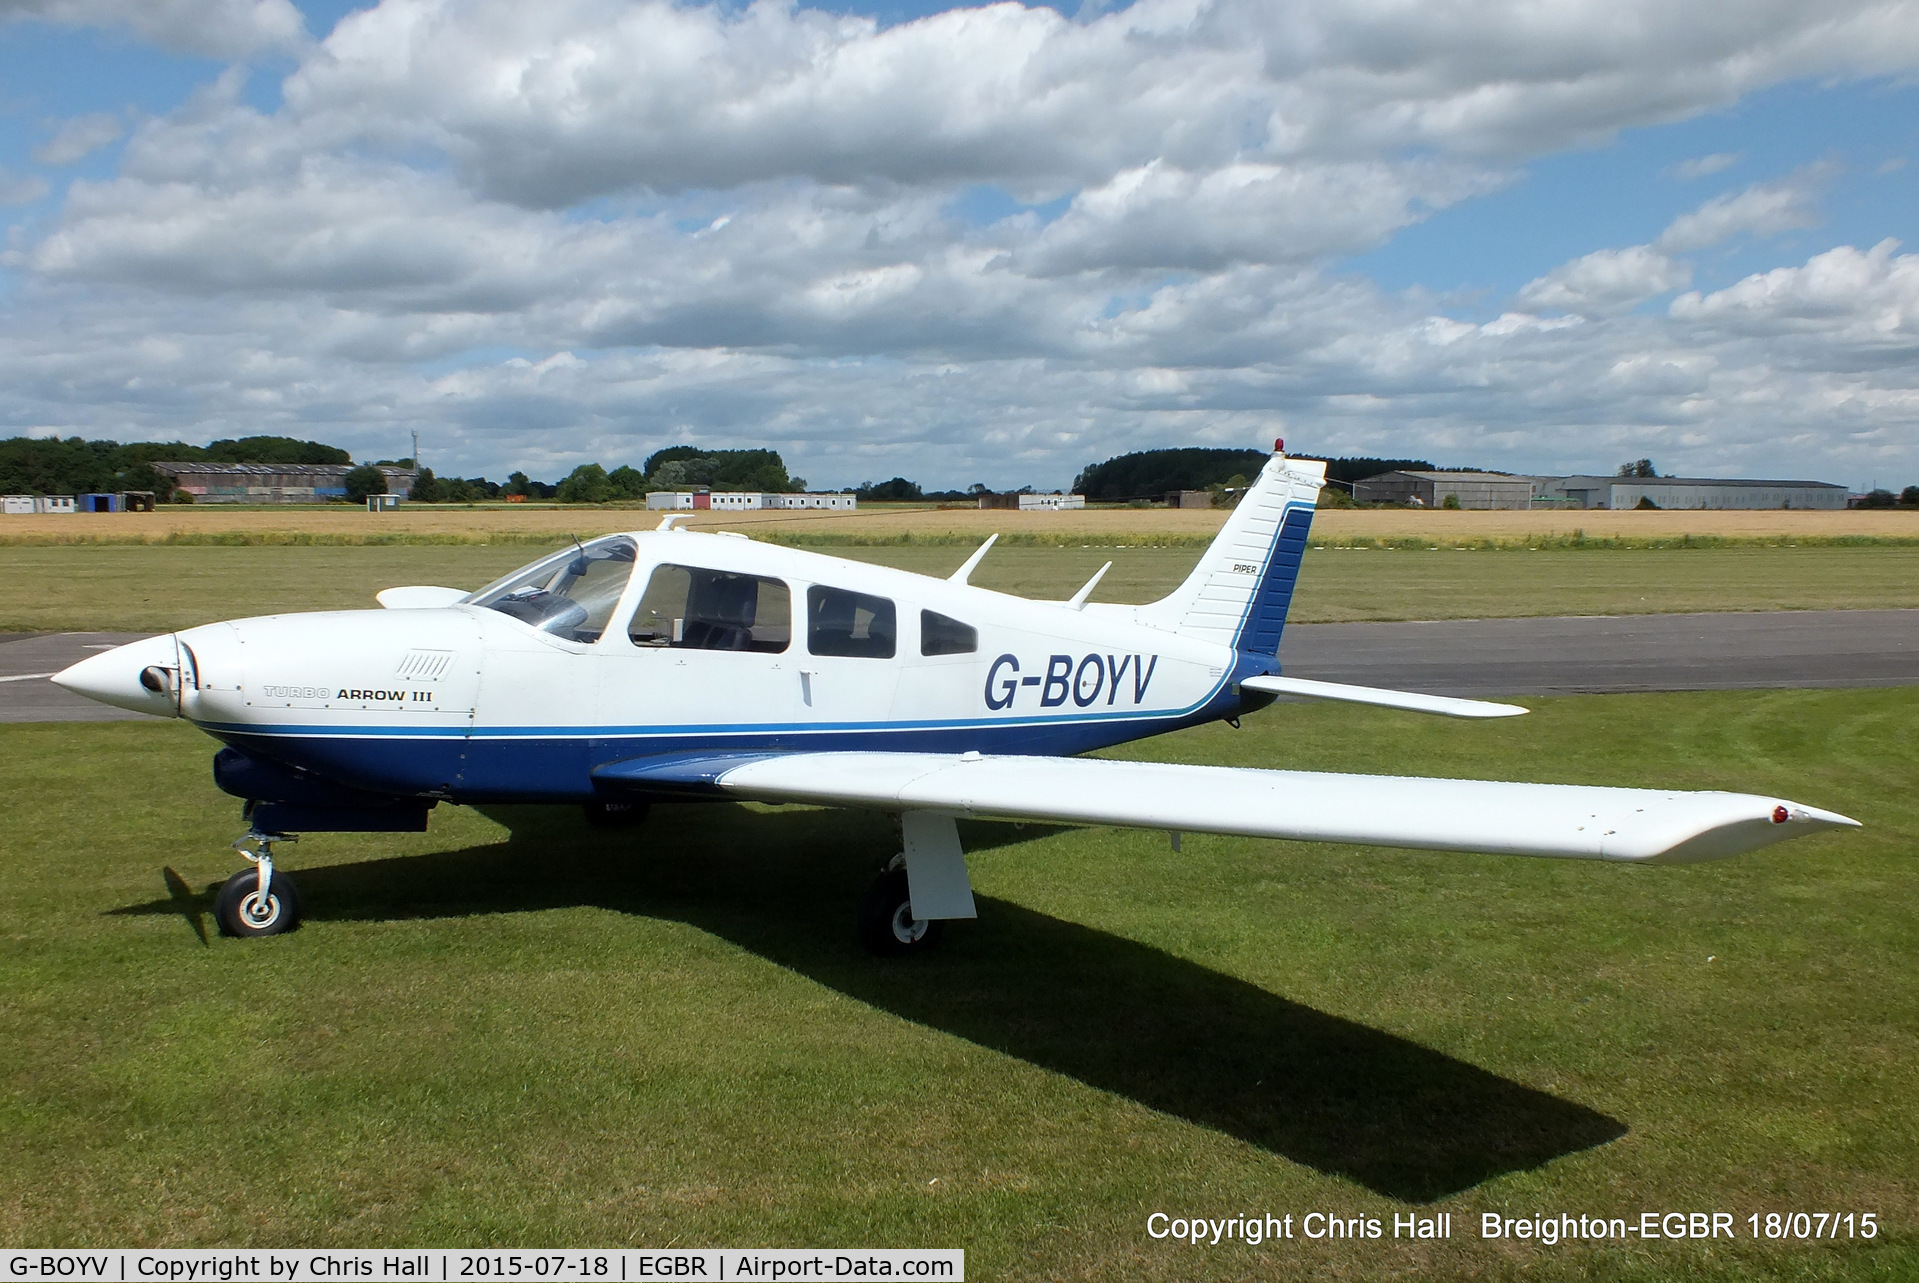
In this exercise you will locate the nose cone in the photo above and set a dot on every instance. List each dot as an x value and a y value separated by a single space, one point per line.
143 676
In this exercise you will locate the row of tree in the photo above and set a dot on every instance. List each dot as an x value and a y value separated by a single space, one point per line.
1153 474
35 465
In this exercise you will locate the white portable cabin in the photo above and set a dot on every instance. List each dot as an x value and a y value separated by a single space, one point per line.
54 503
730 501
17 505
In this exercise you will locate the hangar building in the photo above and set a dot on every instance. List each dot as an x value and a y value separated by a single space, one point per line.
1688 492
273 482
1431 489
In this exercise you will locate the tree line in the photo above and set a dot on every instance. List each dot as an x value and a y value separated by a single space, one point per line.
1153 474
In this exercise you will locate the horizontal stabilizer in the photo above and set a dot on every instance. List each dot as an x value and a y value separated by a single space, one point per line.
1444 705
1653 825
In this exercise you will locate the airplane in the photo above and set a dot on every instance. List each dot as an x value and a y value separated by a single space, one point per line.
673 665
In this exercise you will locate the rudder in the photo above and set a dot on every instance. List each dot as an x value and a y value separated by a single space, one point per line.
1240 591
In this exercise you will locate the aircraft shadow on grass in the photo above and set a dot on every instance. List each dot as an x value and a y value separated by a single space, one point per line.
1401 1119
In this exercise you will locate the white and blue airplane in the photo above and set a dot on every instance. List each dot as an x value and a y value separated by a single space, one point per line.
671 664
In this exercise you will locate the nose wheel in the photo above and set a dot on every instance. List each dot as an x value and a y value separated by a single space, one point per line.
258 901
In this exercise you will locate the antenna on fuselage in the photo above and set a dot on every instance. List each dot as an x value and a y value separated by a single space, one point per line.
1079 598
979 555
666 522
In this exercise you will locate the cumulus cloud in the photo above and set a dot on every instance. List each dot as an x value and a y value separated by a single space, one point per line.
553 103
1608 280
1701 166
79 137
1765 209
1871 297
21 189
1158 216
212 28
584 228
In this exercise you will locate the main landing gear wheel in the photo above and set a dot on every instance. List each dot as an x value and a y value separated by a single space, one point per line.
241 909
887 925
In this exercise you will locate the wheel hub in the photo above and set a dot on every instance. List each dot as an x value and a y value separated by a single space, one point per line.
259 914
906 928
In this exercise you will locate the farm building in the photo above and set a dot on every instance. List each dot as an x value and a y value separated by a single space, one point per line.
273 482
1687 492
1432 489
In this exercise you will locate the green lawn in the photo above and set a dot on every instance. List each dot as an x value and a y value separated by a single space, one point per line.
157 587
515 1030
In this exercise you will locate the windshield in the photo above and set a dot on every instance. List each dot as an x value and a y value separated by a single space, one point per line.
570 594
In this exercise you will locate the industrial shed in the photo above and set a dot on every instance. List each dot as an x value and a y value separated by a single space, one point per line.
273 482
1482 490
1684 493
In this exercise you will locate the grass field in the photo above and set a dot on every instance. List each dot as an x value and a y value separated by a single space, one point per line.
140 588
514 1030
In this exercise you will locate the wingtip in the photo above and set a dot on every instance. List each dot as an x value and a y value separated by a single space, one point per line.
1824 819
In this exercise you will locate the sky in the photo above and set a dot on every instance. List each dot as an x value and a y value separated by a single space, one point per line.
970 245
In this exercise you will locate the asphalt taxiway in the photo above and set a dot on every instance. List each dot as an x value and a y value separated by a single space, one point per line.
1613 653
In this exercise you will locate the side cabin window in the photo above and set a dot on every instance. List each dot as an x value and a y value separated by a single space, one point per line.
690 608
944 635
839 622
570 594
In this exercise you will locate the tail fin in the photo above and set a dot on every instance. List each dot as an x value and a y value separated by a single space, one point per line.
1238 593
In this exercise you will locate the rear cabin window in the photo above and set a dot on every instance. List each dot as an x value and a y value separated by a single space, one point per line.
688 608
944 635
839 622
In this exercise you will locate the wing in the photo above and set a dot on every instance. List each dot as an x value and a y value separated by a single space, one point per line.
1650 825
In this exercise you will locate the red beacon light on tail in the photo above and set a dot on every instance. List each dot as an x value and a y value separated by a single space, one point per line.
1279 445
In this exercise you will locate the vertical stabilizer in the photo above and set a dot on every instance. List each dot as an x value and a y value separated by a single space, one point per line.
1239 592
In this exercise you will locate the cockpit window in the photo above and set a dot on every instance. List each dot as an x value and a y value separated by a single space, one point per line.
840 622
570 594
944 635
694 609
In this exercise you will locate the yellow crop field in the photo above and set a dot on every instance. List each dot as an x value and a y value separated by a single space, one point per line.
880 523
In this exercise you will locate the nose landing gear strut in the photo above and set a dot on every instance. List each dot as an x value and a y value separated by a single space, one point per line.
258 901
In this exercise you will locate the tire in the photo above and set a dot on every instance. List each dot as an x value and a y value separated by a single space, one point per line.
602 814
234 908
887 925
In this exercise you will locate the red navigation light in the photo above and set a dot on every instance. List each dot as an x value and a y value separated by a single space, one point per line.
1780 815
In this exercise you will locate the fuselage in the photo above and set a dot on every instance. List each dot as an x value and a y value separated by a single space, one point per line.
668 641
